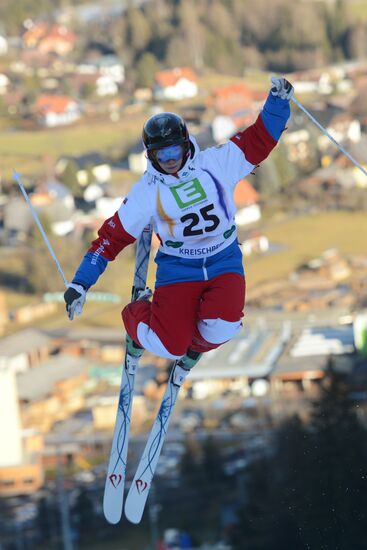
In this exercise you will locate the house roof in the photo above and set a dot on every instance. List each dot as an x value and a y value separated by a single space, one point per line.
325 113
235 98
237 89
324 341
89 160
101 335
17 217
60 32
42 31
358 152
245 194
23 341
33 35
251 354
57 189
52 104
39 382
170 77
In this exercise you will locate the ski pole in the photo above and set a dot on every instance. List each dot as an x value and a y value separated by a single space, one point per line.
18 179
312 118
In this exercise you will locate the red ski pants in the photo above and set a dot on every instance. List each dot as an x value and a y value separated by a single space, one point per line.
176 309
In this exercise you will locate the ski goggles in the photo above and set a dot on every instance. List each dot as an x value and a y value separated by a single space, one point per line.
172 152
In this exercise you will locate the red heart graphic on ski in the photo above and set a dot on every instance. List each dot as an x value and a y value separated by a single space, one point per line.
115 479
141 485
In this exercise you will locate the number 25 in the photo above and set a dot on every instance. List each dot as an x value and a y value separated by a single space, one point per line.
194 220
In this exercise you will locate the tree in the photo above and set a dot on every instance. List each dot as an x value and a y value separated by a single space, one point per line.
84 513
265 521
70 179
311 493
146 69
138 29
47 521
190 31
212 462
219 13
336 482
87 90
223 54
336 20
356 40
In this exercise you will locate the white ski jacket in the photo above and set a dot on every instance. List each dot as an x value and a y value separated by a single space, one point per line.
192 212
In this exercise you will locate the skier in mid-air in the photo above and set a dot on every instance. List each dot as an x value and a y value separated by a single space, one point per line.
187 195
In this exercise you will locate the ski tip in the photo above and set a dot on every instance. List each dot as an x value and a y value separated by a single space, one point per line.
132 516
112 510
112 517
134 507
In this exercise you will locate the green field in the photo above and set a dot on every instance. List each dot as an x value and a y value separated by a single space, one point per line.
34 152
358 10
304 238
31 152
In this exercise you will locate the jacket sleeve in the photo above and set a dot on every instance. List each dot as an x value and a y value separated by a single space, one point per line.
117 232
112 238
259 139
239 156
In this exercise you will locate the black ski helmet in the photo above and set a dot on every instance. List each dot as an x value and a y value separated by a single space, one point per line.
165 129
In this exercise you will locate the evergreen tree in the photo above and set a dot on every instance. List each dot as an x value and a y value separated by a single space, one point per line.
356 41
311 493
146 69
84 513
70 179
212 463
266 521
138 30
47 521
337 21
336 480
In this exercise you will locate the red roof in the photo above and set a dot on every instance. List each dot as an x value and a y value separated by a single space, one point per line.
172 76
245 194
233 98
33 35
52 103
42 31
60 32
237 89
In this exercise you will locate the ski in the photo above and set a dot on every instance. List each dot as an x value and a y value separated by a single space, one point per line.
141 484
115 479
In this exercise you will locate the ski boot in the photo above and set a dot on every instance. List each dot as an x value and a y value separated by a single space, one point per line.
183 366
132 348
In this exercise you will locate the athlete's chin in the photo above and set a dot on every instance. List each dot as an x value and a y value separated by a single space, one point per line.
172 169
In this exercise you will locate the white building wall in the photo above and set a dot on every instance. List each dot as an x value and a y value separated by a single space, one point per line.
137 163
3 45
183 89
10 428
102 173
16 363
248 214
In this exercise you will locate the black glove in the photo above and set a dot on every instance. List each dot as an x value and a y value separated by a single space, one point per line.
74 298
